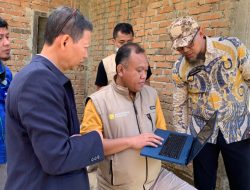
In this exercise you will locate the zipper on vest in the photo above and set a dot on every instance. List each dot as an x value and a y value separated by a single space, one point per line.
146 173
136 115
150 118
111 172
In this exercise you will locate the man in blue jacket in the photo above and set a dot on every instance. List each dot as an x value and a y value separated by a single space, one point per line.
44 148
5 79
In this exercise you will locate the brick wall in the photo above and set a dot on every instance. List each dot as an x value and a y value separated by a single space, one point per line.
150 19
20 14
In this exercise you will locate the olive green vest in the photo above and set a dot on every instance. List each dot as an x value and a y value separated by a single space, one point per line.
110 67
127 169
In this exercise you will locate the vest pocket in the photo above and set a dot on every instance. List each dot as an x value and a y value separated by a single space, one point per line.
149 120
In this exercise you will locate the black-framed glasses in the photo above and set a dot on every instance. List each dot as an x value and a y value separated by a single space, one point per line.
191 44
66 21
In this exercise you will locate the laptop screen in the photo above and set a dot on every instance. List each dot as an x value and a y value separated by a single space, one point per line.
203 136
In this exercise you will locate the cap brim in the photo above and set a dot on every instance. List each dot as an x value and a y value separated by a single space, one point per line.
182 42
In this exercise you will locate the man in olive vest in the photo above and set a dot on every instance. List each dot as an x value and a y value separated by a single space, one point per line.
127 112
122 34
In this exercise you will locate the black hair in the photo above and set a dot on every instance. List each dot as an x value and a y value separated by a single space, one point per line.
125 51
65 20
3 23
124 28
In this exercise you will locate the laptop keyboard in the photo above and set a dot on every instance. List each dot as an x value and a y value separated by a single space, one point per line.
173 146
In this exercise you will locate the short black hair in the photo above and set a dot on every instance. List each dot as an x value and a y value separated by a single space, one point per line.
65 20
125 51
3 23
124 28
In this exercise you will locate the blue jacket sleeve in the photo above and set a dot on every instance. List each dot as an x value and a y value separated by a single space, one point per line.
43 113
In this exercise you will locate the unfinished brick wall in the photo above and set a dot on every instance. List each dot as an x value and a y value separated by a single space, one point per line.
150 19
20 15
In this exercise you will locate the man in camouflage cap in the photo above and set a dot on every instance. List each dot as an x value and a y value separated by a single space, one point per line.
183 32
213 74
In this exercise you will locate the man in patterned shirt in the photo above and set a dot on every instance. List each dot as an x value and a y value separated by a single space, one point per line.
213 74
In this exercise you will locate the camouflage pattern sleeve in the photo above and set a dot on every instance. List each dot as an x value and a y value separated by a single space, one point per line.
180 103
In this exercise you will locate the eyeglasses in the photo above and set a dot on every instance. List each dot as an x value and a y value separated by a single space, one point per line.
66 21
191 44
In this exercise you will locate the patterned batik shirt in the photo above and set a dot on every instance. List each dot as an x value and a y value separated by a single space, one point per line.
220 83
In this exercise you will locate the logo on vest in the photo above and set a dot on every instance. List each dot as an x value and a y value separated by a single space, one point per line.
112 116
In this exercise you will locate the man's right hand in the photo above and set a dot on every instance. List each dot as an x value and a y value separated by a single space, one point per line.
145 139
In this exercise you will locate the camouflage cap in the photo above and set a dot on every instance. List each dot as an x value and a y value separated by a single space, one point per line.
182 31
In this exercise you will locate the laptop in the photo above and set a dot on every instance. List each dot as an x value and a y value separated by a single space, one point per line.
181 148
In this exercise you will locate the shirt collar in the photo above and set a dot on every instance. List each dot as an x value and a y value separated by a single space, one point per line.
62 78
210 49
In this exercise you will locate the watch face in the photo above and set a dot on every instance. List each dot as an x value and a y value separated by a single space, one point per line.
2 72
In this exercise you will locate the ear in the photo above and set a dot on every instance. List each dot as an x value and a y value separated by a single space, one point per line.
65 40
120 70
201 32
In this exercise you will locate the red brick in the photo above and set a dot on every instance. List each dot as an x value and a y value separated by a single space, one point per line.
211 1
158 45
167 72
157 71
219 24
155 5
160 31
140 33
166 9
151 38
210 32
157 58
15 2
205 24
176 1
151 12
180 6
162 79
164 23
159 17
151 25
200 9
193 3
158 85
210 16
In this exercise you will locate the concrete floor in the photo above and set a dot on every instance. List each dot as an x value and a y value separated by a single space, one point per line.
3 176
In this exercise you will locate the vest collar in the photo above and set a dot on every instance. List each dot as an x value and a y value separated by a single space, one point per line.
123 90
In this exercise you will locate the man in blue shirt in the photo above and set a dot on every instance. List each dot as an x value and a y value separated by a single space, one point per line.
5 79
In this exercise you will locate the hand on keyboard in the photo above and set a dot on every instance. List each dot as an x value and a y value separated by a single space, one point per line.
145 139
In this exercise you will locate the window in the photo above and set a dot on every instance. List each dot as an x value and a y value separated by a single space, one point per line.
40 20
